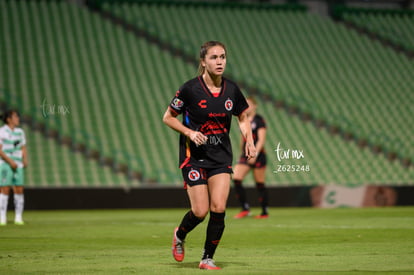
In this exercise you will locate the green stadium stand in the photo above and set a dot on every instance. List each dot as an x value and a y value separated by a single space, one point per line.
307 61
70 59
396 26
116 86
52 166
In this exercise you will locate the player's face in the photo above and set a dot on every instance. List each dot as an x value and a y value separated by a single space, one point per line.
215 60
14 120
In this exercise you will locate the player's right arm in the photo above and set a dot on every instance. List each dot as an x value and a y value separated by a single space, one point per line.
246 130
170 119
11 162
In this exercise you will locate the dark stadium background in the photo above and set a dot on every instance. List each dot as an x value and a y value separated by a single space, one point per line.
92 79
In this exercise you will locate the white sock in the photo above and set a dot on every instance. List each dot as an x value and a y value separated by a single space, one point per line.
4 200
18 206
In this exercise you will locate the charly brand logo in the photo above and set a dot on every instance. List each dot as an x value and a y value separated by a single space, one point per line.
53 109
290 154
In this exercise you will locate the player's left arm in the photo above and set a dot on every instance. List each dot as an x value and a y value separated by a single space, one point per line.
246 130
261 139
24 150
24 156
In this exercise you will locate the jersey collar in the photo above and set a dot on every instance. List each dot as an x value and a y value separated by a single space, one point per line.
206 89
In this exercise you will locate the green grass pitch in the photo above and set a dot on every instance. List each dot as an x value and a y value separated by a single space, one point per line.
291 241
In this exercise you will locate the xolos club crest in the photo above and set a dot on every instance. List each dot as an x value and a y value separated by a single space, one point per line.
228 104
194 175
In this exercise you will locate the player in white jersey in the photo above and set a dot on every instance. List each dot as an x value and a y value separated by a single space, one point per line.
13 159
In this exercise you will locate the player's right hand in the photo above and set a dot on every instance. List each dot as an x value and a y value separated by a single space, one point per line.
250 151
13 165
198 138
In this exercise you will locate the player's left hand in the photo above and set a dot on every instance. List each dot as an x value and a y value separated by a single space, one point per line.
250 151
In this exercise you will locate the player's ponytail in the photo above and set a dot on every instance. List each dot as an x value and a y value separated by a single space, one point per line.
203 51
252 99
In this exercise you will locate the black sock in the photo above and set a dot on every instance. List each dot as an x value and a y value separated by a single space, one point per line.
189 222
215 230
241 194
263 199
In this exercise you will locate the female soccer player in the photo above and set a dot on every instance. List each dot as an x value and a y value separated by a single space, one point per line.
207 103
13 158
258 164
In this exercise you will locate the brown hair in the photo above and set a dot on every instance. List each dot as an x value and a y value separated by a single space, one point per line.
252 99
203 51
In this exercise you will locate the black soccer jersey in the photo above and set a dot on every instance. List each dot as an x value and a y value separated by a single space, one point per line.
257 123
210 114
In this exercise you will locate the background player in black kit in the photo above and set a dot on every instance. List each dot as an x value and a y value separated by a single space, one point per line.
258 164
207 104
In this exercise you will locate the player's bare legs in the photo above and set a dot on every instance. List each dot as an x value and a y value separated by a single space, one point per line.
259 174
240 171
219 189
199 199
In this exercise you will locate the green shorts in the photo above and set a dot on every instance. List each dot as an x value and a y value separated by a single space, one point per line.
8 177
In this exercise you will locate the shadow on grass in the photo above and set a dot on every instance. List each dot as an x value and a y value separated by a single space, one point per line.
192 265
